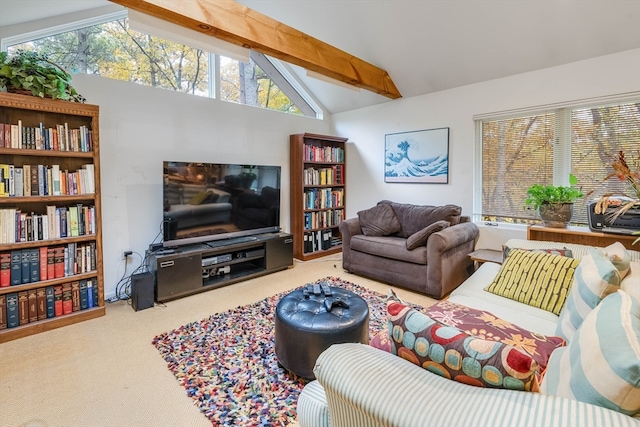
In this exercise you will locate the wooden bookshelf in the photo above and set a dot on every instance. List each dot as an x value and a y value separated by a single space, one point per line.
318 194
579 235
75 153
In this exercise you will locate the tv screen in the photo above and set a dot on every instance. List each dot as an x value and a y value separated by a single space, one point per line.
205 202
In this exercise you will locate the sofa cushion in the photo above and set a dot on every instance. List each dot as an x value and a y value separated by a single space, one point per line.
601 364
451 353
485 325
379 220
414 218
620 258
595 278
419 238
631 283
538 279
391 247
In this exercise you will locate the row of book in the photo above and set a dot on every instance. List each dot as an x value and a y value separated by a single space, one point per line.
58 222
322 219
32 265
320 240
323 176
20 308
44 180
316 153
323 198
58 138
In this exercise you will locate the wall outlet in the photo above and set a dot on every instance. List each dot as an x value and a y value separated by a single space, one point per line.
126 253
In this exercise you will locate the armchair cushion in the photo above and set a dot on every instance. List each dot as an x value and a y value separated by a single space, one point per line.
379 220
414 218
601 364
419 238
537 279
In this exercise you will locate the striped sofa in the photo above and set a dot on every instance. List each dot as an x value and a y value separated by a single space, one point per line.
359 385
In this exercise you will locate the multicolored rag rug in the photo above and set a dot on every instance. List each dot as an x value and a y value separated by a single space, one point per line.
228 365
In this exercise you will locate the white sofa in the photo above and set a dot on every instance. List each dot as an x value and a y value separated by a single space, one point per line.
359 385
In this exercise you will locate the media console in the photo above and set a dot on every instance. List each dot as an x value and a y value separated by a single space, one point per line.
187 270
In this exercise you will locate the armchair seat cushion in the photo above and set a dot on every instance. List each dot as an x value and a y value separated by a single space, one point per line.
389 247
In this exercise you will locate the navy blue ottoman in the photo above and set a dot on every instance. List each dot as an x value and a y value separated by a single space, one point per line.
308 322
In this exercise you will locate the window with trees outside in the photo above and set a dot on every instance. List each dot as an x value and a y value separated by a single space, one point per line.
516 151
113 50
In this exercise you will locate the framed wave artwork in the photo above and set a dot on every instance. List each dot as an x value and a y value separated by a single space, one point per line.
419 156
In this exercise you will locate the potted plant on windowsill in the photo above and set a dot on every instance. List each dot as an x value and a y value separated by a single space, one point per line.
31 73
554 203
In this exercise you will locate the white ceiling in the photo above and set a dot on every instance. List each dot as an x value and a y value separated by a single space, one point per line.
429 45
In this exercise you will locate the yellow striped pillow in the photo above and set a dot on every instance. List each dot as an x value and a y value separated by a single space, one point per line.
537 279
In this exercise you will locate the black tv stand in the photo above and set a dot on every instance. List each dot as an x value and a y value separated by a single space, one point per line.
203 266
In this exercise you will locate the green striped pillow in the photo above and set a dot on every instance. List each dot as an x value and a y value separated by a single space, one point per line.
601 364
535 278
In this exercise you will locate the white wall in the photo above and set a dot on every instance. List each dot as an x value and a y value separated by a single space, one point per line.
140 127
366 129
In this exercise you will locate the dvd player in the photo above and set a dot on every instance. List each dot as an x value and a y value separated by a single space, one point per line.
216 259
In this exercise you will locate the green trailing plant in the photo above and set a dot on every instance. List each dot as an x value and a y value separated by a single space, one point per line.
539 195
31 72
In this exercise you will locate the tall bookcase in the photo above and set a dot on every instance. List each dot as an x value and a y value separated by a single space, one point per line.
51 235
318 194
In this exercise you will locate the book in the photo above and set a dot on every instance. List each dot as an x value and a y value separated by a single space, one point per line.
58 262
50 301
67 299
12 310
41 301
73 221
84 297
51 251
16 267
42 252
57 300
18 178
34 264
23 307
5 269
25 257
3 311
90 301
75 295
35 185
26 179
32 298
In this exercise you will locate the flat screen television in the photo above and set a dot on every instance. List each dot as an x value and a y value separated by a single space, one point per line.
207 202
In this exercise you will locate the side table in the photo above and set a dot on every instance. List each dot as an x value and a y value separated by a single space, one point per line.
480 256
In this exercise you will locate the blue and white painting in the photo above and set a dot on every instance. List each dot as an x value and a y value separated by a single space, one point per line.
418 156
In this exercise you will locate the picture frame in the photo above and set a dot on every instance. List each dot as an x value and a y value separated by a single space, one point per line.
420 156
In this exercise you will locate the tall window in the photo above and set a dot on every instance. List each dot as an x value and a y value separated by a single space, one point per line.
115 51
544 148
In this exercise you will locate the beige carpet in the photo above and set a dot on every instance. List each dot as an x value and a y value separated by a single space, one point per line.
106 372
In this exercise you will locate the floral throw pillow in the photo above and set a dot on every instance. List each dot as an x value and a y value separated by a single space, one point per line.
485 325
450 352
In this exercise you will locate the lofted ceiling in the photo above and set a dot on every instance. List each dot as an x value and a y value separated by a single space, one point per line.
428 45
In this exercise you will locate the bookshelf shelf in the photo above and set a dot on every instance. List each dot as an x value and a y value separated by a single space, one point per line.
318 191
50 225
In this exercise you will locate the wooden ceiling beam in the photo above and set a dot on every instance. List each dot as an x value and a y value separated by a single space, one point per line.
230 21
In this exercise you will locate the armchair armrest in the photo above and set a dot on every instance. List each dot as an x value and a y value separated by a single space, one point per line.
348 228
448 262
354 375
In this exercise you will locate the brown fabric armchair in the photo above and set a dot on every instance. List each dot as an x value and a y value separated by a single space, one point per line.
422 248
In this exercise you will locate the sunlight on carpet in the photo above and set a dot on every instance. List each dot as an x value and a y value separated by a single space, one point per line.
227 362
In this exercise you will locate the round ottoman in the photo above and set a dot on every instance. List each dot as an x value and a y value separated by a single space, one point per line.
308 321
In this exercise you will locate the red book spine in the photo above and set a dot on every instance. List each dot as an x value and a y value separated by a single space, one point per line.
57 300
50 263
58 262
44 270
5 269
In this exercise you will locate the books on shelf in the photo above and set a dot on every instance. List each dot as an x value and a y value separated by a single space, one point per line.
58 138
320 240
42 180
319 153
66 221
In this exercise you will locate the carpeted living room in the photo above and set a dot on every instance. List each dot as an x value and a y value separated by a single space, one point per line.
312 213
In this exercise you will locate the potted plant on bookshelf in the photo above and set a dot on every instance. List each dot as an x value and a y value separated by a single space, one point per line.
32 73
554 203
